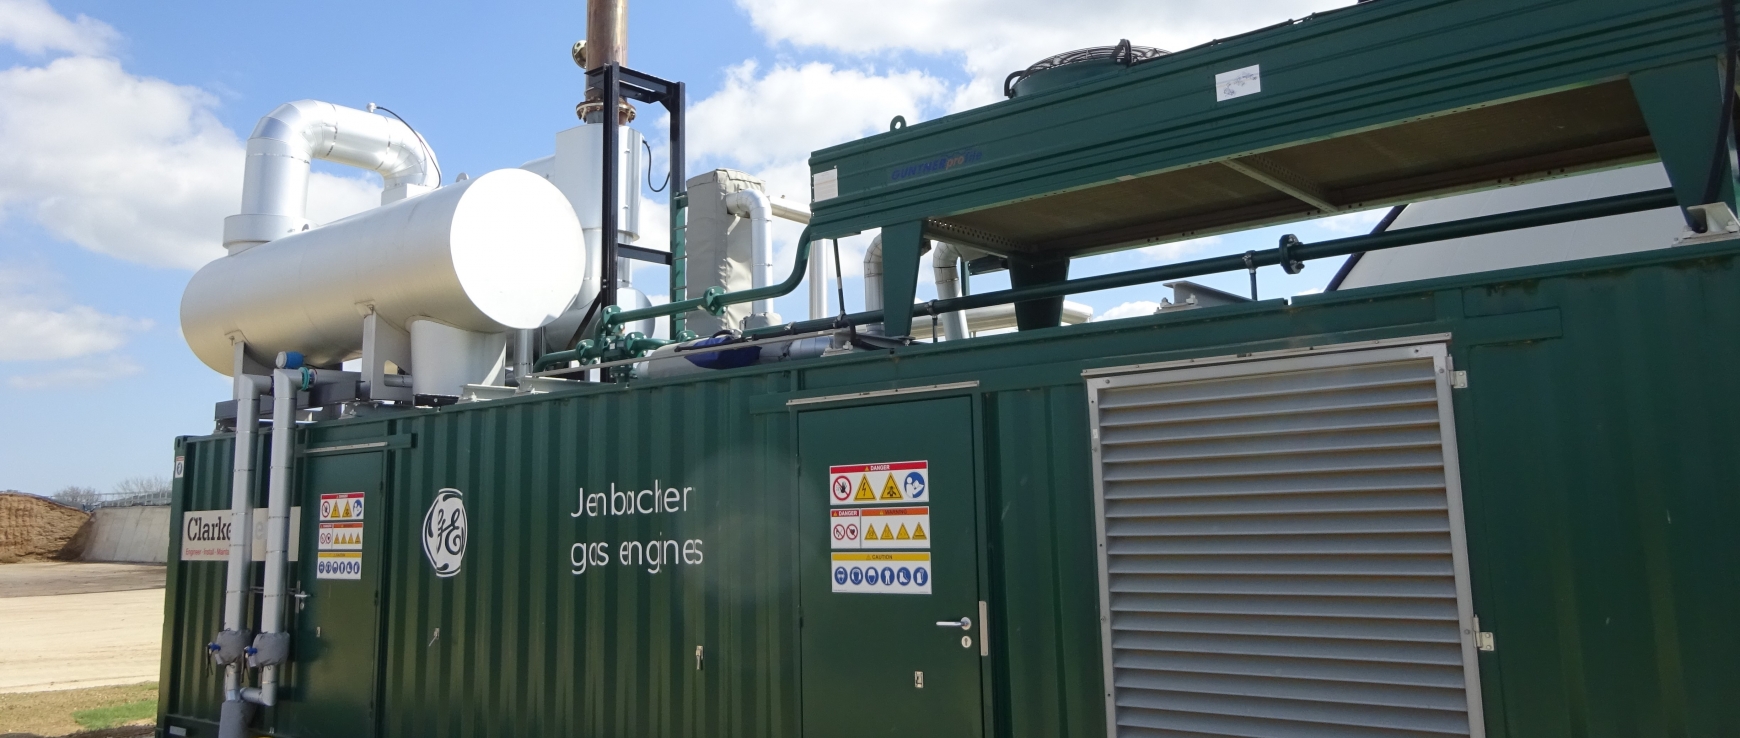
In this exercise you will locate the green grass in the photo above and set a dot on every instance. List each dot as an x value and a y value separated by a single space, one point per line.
115 715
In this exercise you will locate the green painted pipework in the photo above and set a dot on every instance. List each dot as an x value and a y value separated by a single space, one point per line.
714 301
1602 207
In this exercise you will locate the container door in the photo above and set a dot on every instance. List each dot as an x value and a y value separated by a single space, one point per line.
336 623
889 564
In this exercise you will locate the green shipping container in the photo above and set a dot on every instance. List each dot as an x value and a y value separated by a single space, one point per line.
1498 505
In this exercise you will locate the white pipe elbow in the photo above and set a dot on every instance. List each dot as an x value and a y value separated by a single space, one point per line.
755 206
287 140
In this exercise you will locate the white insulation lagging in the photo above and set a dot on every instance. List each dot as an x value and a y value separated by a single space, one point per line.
285 383
945 266
288 139
754 206
247 396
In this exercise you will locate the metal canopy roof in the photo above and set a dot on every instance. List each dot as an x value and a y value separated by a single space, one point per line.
1377 104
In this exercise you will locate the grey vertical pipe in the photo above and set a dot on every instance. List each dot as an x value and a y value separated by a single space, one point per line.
524 356
819 281
609 118
285 383
247 396
945 264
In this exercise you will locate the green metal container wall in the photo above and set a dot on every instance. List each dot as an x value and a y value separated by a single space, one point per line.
1596 433
527 647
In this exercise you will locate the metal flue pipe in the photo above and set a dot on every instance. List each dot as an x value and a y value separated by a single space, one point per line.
606 33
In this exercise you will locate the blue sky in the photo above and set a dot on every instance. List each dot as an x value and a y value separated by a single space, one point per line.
121 125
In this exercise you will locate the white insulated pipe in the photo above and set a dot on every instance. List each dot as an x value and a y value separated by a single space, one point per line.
819 258
247 396
818 271
285 383
288 139
755 206
945 265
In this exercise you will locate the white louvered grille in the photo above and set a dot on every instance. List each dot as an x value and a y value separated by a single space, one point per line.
1280 553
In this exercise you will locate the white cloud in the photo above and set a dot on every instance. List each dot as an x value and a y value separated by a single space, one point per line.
1129 310
35 325
1178 250
995 37
32 27
134 167
1353 223
84 373
768 121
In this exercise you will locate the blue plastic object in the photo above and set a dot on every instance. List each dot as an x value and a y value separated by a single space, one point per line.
729 359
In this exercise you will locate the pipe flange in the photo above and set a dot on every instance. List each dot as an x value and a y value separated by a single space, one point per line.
625 111
1289 264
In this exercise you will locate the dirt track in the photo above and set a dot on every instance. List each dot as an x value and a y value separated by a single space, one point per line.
79 625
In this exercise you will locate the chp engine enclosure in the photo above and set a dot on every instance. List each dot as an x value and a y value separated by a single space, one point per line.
1584 426
1497 505
487 255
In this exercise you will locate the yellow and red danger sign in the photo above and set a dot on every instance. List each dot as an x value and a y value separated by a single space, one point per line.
879 527
341 537
341 506
894 483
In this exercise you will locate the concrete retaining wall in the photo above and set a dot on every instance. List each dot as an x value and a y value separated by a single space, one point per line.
136 534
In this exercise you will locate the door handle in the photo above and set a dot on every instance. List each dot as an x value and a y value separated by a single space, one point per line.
963 623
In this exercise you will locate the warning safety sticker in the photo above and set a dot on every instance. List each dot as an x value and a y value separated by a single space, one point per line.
341 536
881 573
342 506
339 565
880 527
898 483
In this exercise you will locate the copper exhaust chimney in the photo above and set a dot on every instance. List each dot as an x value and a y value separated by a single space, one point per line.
606 33
606 41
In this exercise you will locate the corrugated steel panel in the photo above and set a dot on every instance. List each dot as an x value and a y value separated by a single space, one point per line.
1282 549
1594 438
527 647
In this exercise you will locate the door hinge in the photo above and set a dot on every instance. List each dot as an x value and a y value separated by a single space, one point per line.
1459 379
1483 639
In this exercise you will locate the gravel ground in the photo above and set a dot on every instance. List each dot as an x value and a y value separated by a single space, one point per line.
70 625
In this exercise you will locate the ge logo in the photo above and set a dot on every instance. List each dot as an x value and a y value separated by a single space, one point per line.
444 533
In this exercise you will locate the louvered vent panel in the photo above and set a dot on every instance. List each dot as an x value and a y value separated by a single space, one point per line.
1279 555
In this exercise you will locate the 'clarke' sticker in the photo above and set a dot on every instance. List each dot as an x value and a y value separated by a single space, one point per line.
880 573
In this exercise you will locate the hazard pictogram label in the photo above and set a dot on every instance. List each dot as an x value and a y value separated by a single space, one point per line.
342 506
340 537
880 573
844 530
896 483
880 528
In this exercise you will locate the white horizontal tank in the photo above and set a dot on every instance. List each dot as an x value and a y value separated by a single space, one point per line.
491 254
